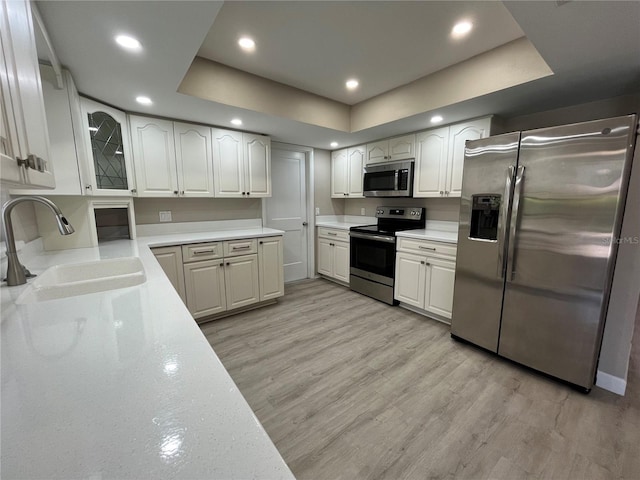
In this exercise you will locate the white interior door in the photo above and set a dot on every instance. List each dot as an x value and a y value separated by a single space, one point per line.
286 209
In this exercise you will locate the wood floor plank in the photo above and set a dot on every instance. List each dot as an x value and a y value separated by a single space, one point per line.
348 387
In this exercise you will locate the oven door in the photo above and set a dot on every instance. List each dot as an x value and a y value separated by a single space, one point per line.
373 257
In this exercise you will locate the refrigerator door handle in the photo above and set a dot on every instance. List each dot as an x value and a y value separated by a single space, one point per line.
515 207
502 230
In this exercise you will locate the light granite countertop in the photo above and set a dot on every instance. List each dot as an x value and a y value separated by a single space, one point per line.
438 231
123 384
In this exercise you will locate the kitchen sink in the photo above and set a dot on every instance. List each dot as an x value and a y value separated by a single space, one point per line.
64 281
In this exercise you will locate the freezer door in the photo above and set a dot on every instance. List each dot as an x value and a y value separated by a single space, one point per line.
489 166
570 185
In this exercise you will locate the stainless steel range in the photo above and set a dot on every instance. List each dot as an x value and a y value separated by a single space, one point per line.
373 251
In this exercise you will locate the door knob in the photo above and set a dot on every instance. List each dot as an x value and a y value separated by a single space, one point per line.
304 224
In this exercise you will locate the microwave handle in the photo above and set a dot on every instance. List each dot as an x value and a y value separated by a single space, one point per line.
396 179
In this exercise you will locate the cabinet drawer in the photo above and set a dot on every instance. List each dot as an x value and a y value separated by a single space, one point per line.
201 251
233 248
333 233
426 247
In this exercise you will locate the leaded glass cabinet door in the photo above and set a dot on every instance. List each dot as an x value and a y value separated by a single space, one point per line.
106 140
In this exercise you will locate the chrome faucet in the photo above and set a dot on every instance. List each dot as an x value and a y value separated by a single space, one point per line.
16 273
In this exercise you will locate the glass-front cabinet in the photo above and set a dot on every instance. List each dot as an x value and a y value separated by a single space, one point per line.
106 141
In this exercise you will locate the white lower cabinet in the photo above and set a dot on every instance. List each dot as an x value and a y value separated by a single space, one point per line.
206 288
241 281
170 259
426 280
334 254
217 277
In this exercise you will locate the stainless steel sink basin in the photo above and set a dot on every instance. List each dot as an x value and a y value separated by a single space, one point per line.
64 281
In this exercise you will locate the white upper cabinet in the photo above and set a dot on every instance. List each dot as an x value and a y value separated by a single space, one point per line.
171 159
432 149
458 136
339 173
154 157
391 150
347 172
241 164
228 163
63 129
23 128
257 157
194 159
106 143
440 157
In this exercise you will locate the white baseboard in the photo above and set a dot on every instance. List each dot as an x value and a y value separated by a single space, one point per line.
611 383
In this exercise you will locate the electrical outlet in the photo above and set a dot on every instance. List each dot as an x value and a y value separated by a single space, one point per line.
165 216
317 210
363 211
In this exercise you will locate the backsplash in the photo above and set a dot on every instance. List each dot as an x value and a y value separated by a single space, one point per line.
25 226
196 209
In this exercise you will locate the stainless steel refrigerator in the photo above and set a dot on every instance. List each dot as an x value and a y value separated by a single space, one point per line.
540 216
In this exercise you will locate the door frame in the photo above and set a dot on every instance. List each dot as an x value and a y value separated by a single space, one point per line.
310 197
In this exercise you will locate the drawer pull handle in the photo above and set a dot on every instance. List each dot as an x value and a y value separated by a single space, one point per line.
244 247
200 252
426 248
331 233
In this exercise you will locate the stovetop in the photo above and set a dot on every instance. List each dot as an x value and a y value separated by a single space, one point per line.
394 219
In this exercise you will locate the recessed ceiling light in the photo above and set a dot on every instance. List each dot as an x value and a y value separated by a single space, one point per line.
436 119
460 29
352 84
236 121
247 44
130 43
142 100
334 144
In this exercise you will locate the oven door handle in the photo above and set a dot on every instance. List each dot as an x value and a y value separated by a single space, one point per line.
381 238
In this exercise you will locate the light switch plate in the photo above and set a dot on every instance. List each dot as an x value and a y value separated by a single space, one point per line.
317 210
165 216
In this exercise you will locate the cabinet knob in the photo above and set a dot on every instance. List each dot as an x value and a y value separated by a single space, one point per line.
248 193
175 192
304 224
222 264
261 242
228 264
133 190
422 262
244 193
182 192
441 192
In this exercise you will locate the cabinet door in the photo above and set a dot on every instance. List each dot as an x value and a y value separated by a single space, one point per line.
194 159
339 173
410 279
356 164
270 267
106 141
325 257
154 157
458 136
439 286
205 287
402 148
170 259
377 152
25 132
228 163
431 161
257 159
341 261
241 281
62 145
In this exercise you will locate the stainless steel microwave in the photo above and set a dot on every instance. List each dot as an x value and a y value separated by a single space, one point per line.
389 179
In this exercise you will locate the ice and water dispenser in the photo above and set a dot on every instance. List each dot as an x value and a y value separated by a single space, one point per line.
485 210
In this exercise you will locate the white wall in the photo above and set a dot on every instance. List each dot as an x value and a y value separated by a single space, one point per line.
322 185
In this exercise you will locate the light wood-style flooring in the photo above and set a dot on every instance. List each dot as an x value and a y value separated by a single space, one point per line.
348 387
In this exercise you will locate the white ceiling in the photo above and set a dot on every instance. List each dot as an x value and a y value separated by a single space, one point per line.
317 46
593 48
